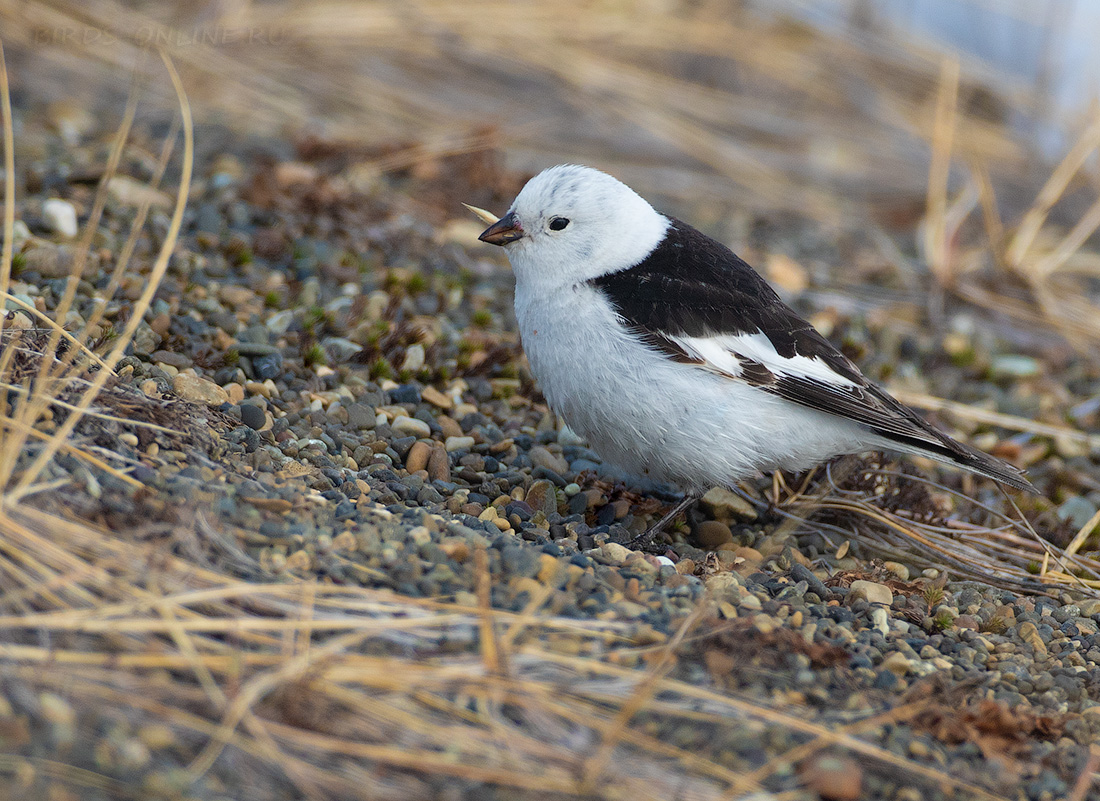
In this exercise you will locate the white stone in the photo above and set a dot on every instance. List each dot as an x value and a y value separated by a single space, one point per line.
459 443
414 358
881 620
410 426
874 592
60 217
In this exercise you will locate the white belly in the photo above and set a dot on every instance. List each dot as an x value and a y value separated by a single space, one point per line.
649 415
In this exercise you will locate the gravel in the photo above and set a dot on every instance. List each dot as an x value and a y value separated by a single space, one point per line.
352 407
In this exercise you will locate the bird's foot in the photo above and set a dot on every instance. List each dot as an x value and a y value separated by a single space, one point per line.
681 506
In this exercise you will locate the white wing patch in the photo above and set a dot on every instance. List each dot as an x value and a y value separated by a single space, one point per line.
720 354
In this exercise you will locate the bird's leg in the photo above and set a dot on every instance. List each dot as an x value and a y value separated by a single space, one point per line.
682 505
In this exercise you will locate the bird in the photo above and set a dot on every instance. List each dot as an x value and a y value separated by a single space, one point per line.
675 359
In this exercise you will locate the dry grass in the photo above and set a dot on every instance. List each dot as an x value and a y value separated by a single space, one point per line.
324 692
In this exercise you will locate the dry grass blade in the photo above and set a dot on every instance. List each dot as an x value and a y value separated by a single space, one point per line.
1012 422
943 136
1056 185
9 193
485 216
160 266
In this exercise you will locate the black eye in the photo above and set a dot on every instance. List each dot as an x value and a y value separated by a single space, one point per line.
558 223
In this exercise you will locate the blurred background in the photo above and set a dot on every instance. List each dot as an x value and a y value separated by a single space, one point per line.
787 103
929 126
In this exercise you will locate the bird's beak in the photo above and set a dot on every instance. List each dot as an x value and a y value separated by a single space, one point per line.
503 231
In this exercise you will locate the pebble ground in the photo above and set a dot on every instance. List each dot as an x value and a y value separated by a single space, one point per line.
340 360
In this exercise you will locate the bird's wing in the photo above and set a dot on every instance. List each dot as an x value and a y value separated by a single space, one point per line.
696 302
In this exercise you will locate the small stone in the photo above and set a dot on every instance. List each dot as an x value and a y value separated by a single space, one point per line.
253 416
436 398
60 217
48 259
127 191
751 556
880 619
417 458
439 466
542 497
361 415
541 457
459 443
410 427
615 553
728 506
874 592
199 390
414 358
1012 365
897 663
56 709
1029 633
898 569
787 274
712 533
449 426
549 568
750 602
1077 511
837 778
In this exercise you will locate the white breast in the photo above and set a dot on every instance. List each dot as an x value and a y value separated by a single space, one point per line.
652 416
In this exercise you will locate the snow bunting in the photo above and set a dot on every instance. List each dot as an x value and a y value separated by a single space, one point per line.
674 358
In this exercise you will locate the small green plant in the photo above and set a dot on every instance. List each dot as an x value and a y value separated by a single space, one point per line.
272 299
315 318
933 595
943 620
996 625
482 318
18 263
392 282
416 283
380 368
1034 568
964 357
314 355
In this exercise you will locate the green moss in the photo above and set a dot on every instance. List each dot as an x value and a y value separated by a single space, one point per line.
417 283
380 368
272 299
315 317
933 595
964 357
944 620
315 354
482 318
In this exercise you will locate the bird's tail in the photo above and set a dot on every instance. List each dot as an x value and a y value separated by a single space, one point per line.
955 453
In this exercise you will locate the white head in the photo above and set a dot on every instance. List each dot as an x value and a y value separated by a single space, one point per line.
571 223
